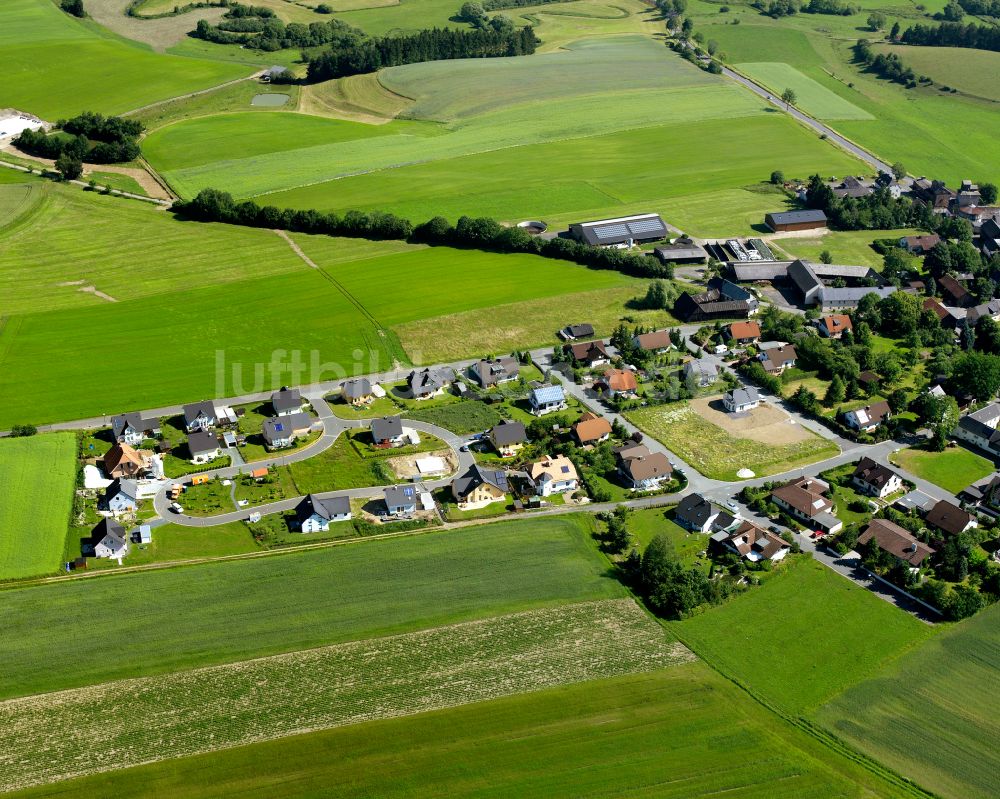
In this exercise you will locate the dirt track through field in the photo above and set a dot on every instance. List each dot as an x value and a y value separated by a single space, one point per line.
124 723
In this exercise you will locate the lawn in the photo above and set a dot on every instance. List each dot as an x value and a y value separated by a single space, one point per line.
648 523
929 714
811 97
664 733
213 613
463 417
337 468
953 469
717 454
38 478
87 68
803 637
846 247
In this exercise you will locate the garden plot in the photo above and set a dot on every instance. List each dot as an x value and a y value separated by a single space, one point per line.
765 423
148 719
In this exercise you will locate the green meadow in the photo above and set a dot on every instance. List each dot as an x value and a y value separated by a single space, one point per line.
803 637
970 71
813 98
221 612
930 714
56 65
38 475
677 732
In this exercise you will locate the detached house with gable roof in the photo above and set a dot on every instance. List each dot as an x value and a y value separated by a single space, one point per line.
400 499
124 461
591 429
803 499
743 332
315 515
618 383
489 373
980 428
122 496
777 359
357 392
547 399
508 438
589 353
641 469
658 341
553 476
282 431
200 416
479 487
426 383
107 540
753 543
949 518
203 446
834 325
286 402
696 513
875 480
869 418
133 429
892 538
387 431
741 400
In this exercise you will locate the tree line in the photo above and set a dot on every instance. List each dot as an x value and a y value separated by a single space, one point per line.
88 137
889 66
437 44
981 8
786 8
481 233
954 34
259 29
876 211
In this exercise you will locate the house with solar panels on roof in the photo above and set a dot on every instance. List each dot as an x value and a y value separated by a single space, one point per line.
623 232
547 399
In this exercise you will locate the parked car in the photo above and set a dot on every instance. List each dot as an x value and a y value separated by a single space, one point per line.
176 508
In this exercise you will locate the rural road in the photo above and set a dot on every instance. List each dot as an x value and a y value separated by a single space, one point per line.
805 119
85 185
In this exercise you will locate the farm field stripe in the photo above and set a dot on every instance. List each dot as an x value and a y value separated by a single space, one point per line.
148 719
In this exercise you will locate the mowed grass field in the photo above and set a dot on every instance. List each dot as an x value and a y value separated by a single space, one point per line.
235 704
222 612
56 65
717 454
38 477
677 732
846 246
803 637
953 469
811 97
931 714
970 71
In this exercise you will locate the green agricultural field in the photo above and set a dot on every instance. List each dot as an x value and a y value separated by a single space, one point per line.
189 712
87 68
823 635
970 71
953 469
664 733
17 198
214 613
811 97
930 714
717 454
38 477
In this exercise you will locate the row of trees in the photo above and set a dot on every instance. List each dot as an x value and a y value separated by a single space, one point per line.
87 137
981 8
954 34
369 55
889 66
259 29
483 233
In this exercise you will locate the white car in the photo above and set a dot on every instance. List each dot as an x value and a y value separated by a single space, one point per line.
176 508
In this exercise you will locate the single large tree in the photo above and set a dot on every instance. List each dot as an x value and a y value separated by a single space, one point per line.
788 98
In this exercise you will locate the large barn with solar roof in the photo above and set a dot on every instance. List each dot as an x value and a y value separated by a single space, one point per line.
624 231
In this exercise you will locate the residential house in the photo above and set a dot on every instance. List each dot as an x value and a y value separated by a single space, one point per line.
589 353
777 359
989 237
401 499
954 293
286 402
681 251
124 461
729 301
920 245
387 431
314 515
933 193
281 431
108 539
979 428
891 538
985 493
869 381
479 487
508 438
868 418
874 479
700 373
547 399
133 429
573 332
122 496
742 332
696 513
357 392
990 308
591 429
553 476
968 194
491 373
852 187
657 341
803 499
618 383
977 214
426 383
753 543
834 325
641 469
945 317
623 231
203 446
200 416
740 400
949 518
809 219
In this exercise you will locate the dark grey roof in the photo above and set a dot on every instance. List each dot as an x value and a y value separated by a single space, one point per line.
873 473
135 421
280 427
731 291
196 409
681 250
771 270
427 381
582 330
324 508
491 372
508 433
387 428
106 527
358 387
476 476
695 510
797 217
120 486
400 495
621 229
202 441
286 400
742 396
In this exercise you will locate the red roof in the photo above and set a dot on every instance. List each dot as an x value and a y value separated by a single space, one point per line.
742 330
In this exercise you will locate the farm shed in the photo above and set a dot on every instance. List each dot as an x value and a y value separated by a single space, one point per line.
810 219
623 230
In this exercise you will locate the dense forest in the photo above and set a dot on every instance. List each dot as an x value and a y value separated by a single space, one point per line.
954 34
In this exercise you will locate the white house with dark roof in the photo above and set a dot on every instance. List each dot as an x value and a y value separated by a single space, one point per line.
508 437
200 416
203 446
401 499
741 400
315 515
122 496
388 432
753 543
108 540
426 383
286 401
875 479
133 429
700 372
696 513
979 428
282 431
